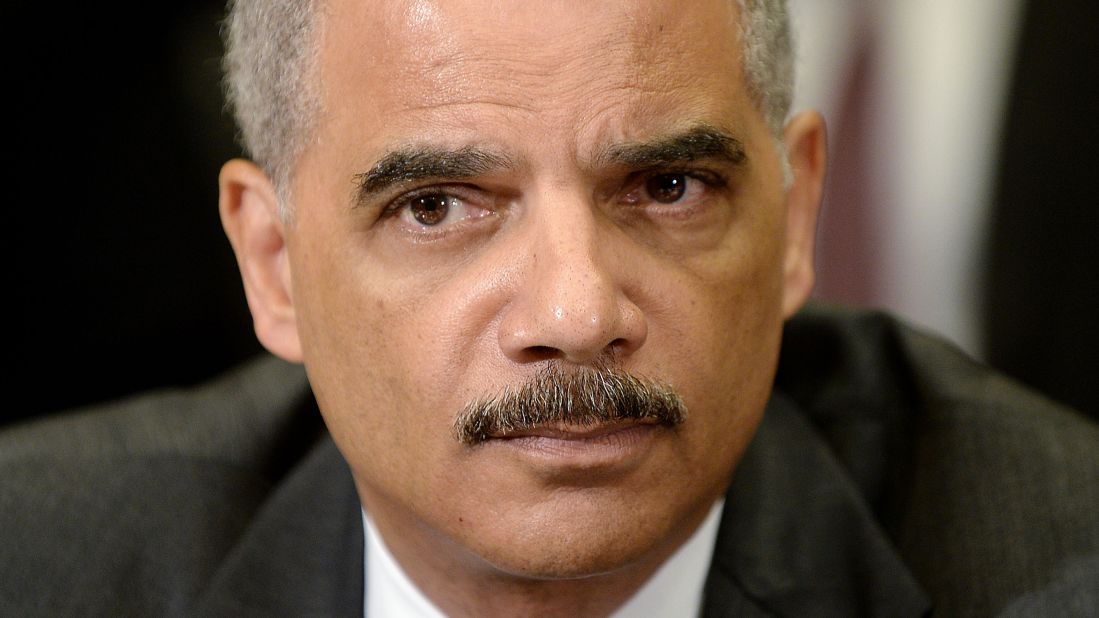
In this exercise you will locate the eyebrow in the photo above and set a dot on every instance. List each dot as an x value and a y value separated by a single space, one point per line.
422 162
415 163
700 142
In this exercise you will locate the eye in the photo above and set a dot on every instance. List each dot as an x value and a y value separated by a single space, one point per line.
666 188
437 209
431 209
681 188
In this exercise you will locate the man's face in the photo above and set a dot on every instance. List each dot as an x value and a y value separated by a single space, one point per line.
498 186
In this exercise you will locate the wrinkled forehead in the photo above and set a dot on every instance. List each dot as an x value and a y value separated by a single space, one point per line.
539 56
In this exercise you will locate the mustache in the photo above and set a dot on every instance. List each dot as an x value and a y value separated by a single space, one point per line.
585 396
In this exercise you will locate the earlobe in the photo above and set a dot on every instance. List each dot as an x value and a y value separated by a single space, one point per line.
250 216
807 150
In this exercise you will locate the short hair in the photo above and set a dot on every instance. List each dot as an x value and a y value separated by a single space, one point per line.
270 68
768 50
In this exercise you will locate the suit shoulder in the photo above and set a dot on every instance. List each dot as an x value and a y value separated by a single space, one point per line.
129 507
849 366
987 487
226 418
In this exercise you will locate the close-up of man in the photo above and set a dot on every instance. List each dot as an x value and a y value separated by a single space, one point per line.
533 277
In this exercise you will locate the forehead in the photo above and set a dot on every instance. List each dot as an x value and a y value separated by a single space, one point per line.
592 71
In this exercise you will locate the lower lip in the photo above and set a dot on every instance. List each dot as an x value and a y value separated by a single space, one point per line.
613 448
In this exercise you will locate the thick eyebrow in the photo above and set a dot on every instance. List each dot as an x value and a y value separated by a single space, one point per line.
421 162
701 142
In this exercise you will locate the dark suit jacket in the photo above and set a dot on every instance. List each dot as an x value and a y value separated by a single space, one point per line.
890 476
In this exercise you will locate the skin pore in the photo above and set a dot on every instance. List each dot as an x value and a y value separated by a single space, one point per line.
494 187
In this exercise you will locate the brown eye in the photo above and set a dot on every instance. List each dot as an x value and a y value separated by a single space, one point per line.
666 188
430 209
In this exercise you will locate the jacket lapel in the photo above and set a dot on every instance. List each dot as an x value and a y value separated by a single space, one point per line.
303 553
797 539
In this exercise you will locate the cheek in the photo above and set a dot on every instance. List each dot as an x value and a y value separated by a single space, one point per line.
718 343
389 352
726 301
363 349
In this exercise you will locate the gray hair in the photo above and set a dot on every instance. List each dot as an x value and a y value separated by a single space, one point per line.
768 50
271 49
271 55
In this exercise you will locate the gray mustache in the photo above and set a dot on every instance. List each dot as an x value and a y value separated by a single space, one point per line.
584 396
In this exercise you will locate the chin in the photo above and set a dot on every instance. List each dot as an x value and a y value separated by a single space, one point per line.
568 560
581 543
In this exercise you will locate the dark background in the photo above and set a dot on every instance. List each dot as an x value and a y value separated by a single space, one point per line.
124 280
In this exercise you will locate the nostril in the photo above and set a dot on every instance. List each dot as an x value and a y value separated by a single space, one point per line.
621 347
537 353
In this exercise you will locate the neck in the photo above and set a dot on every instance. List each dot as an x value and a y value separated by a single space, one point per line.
461 584
504 595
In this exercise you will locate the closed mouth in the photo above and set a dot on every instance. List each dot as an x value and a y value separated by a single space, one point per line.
570 432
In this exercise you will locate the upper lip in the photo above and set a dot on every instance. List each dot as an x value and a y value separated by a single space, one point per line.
564 431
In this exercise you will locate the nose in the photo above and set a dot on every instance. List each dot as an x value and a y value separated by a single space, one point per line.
572 299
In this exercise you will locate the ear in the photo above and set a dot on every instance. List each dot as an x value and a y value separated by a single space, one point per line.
806 148
250 215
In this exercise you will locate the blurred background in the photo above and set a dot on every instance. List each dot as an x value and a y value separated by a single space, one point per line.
963 140
963 160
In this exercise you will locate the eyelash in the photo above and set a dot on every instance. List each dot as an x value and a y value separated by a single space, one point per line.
404 200
710 179
707 177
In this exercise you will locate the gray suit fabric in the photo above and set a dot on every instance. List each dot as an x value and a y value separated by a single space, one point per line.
891 476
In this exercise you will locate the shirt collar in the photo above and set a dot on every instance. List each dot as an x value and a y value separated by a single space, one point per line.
389 591
676 587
